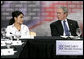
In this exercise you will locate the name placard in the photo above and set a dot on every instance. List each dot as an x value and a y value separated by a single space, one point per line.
69 47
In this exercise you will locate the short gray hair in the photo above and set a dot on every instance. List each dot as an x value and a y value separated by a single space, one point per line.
64 9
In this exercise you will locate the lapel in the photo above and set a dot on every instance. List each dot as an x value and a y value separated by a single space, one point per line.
60 27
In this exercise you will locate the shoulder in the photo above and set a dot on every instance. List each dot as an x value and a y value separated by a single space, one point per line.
9 26
24 26
71 20
54 23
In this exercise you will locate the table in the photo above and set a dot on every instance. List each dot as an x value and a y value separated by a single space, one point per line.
41 47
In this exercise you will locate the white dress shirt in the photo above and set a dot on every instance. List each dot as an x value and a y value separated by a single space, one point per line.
63 26
12 31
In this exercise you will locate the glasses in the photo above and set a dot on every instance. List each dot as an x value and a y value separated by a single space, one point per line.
18 35
3 33
8 43
78 32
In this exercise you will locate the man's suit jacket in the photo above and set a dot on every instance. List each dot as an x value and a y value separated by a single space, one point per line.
57 28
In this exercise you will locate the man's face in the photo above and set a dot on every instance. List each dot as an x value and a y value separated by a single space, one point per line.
60 14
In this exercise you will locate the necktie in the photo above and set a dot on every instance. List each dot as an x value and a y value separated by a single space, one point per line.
66 29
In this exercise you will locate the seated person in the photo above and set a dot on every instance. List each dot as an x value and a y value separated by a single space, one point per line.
63 26
16 26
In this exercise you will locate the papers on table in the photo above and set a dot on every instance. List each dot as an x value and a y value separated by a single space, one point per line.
3 43
17 42
5 52
72 37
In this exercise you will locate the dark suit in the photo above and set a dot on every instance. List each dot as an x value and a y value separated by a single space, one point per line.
57 28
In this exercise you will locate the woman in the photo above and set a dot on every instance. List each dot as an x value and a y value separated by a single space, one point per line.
16 26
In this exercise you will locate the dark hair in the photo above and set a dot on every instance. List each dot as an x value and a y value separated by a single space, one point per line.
14 14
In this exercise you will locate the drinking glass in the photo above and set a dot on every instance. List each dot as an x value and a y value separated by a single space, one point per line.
78 32
18 35
8 43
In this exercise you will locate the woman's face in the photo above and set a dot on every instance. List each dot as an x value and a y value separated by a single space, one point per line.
19 19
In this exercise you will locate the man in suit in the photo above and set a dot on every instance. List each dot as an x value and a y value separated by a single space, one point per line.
63 26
